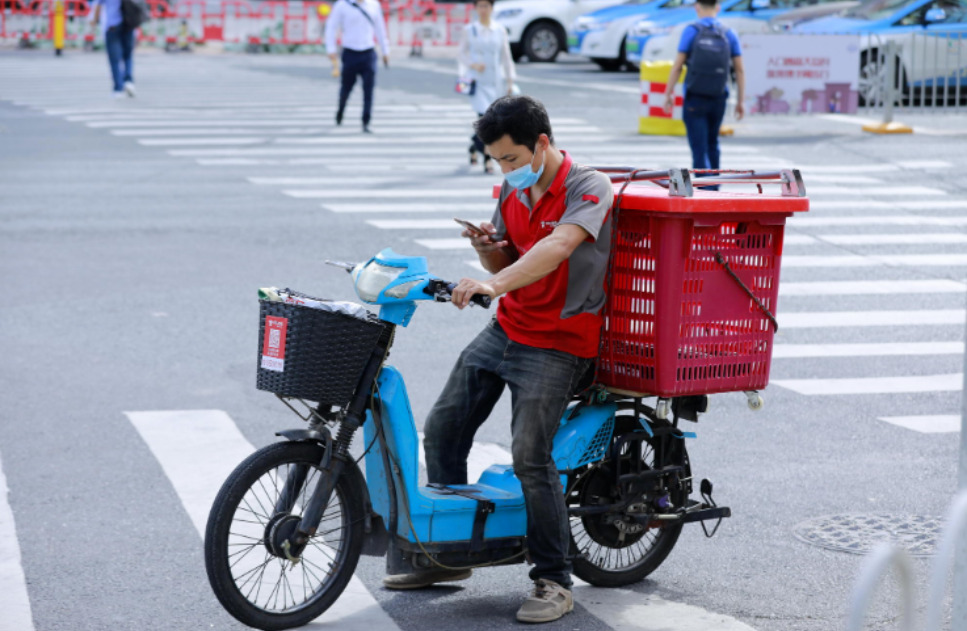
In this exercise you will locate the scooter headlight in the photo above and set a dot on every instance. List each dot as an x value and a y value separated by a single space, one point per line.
372 278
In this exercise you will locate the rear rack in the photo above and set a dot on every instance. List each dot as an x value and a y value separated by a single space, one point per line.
682 182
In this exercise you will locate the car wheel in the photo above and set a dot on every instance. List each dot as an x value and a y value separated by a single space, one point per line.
543 41
608 65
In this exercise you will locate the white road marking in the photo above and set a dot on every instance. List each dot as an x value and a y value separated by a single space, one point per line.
421 224
840 179
862 205
924 164
829 319
878 191
894 260
176 142
382 178
457 208
885 220
14 600
484 192
207 131
445 244
197 450
787 351
798 239
873 385
871 287
939 424
890 239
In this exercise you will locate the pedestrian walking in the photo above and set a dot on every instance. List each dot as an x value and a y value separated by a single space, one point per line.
710 51
119 42
361 26
486 66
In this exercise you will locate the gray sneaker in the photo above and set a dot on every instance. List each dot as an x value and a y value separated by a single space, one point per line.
417 580
548 602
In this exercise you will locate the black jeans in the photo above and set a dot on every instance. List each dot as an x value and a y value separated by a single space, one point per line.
358 63
541 384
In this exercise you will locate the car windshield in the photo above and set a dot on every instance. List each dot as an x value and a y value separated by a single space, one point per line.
876 9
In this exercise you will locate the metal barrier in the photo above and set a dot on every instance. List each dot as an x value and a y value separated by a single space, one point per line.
255 25
887 555
915 72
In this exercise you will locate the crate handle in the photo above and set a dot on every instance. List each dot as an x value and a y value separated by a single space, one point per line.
721 261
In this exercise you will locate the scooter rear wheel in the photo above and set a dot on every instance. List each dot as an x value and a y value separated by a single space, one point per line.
247 567
606 556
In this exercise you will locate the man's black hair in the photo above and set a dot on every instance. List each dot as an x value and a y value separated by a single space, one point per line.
708 4
523 118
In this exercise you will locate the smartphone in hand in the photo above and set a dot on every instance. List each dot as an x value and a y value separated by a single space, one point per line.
474 229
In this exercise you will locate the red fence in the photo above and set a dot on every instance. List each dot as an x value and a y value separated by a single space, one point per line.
414 23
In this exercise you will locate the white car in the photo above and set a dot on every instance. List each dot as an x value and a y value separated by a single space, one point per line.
538 28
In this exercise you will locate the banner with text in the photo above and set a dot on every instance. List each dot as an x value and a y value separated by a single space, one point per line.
801 74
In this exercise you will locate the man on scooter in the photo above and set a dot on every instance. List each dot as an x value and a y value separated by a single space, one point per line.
547 249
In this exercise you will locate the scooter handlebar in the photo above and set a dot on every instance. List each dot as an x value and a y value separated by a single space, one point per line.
481 300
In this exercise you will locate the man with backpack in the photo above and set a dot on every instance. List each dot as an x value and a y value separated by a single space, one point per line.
121 18
710 51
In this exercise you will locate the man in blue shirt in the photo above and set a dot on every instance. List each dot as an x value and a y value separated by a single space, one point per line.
709 50
119 42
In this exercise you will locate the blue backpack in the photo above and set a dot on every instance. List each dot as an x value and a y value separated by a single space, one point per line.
708 61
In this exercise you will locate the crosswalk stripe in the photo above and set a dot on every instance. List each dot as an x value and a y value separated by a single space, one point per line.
852 204
935 424
854 260
453 180
414 208
839 179
788 351
827 319
14 600
483 193
197 449
885 220
924 164
420 224
873 190
890 239
444 244
873 385
870 287
172 142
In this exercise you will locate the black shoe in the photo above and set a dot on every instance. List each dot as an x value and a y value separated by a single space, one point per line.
339 118
366 129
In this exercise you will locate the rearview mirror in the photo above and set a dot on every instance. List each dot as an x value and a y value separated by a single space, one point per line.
935 15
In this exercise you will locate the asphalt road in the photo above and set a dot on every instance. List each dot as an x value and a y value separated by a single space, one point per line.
133 239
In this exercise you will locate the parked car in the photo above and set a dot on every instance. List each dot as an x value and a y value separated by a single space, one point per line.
930 38
601 35
658 42
537 28
790 19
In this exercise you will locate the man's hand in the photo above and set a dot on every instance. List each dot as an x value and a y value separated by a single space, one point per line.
669 103
510 88
483 243
479 67
739 111
467 288
386 61
334 59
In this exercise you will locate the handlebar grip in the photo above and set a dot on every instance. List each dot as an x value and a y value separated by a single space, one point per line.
481 300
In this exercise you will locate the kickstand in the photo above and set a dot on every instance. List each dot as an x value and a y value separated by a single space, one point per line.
706 491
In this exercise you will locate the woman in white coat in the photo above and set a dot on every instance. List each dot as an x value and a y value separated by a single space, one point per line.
486 61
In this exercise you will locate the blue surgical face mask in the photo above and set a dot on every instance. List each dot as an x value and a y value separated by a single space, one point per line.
525 177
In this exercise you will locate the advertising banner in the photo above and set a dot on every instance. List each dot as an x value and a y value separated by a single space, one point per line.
801 74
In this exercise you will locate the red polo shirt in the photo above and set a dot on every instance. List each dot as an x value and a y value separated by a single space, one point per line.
561 310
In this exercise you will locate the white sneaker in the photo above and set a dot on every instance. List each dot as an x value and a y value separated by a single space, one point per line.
118 95
129 89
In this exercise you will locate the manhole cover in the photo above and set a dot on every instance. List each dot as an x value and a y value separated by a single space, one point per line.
858 534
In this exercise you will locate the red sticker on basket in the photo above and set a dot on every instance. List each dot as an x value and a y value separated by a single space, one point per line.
273 344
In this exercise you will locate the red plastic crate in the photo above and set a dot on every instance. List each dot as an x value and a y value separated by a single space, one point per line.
676 322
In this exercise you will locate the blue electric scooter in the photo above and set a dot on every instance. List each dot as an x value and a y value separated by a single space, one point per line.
287 528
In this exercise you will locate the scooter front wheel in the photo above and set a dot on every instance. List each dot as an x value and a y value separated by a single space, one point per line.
257 509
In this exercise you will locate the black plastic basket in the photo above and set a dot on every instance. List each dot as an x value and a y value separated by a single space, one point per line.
325 352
